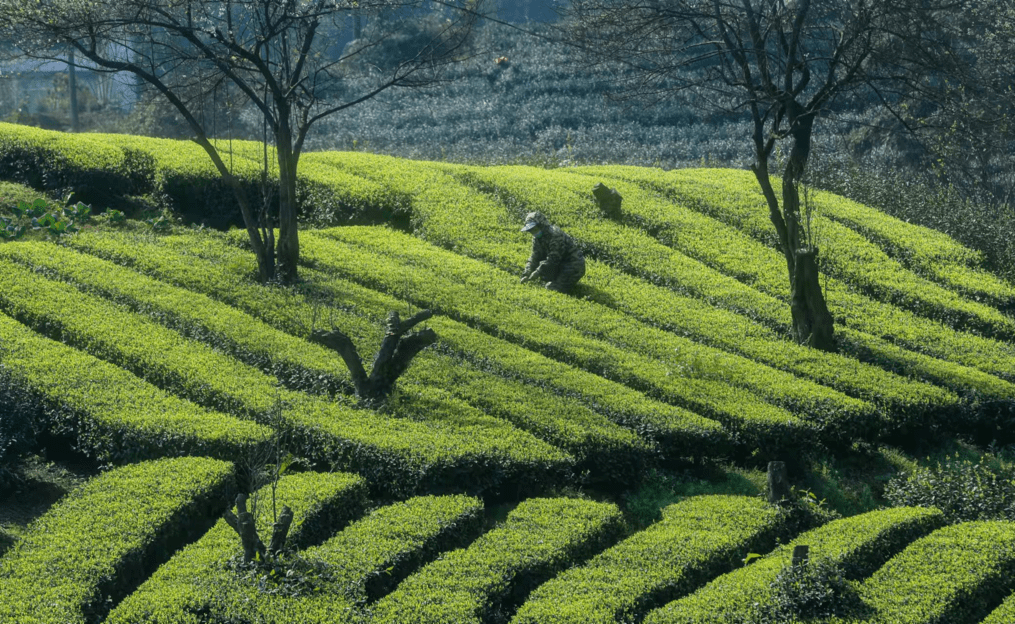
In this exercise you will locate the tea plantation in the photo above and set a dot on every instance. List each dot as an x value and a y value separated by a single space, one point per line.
507 478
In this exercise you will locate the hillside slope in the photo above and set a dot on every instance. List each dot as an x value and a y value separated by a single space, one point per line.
140 343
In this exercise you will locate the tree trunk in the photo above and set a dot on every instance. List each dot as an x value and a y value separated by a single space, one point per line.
288 245
396 353
72 91
812 323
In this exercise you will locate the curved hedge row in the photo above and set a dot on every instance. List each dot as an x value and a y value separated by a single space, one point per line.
455 448
455 224
1005 614
705 311
765 269
720 385
696 540
221 271
488 579
98 543
111 414
597 443
367 559
58 162
859 545
955 574
569 197
929 253
733 197
197 580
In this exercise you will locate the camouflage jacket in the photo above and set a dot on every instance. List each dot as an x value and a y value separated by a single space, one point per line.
550 251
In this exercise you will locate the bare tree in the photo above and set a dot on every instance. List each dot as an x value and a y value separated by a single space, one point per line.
279 55
781 63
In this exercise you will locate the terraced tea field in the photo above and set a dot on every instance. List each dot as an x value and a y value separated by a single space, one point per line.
490 487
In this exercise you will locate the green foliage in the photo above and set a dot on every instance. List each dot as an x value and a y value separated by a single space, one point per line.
69 566
857 546
399 452
632 354
728 196
964 490
111 414
661 268
1003 614
696 540
955 574
19 424
220 271
610 450
200 577
539 538
812 591
40 215
370 557
926 200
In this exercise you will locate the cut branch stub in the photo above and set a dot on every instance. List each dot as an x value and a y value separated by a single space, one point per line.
393 358
778 482
609 200
243 523
280 531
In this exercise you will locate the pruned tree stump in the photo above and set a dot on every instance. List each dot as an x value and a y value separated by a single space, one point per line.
396 352
778 482
244 523
609 201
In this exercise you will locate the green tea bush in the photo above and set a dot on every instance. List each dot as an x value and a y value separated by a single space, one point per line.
199 578
487 580
1003 614
635 251
110 414
920 198
57 164
857 546
586 335
860 317
964 490
955 574
19 425
97 544
696 540
402 453
221 271
598 444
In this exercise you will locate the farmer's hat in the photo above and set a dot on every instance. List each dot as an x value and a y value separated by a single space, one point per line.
534 220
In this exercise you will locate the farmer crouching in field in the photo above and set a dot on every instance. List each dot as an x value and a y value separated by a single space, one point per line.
555 256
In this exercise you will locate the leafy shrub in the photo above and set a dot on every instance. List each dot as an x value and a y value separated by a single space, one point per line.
919 197
964 490
814 590
610 450
695 540
955 574
403 453
18 426
386 259
221 272
96 544
199 577
111 414
485 581
857 546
